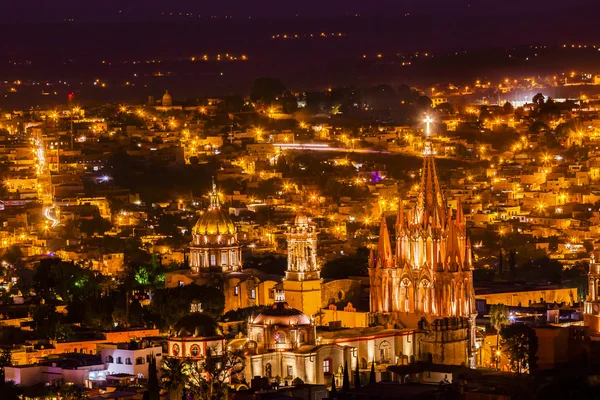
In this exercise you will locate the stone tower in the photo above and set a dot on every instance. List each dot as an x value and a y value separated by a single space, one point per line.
591 308
302 283
428 282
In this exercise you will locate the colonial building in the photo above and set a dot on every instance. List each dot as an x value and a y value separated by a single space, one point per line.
284 344
215 246
428 282
302 283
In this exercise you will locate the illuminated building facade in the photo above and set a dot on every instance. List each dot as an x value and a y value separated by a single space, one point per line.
428 282
282 342
302 283
215 246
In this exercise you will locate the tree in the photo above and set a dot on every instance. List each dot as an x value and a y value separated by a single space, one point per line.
345 379
348 265
538 99
171 304
266 90
520 344
5 361
333 388
498 318
153 387
512 262
209 379
508 108
372 378
174 377
357 375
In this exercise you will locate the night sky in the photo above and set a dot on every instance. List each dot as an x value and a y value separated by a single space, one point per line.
110 10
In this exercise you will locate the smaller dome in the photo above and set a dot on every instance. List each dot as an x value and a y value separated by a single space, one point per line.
197 325
167 100
282 314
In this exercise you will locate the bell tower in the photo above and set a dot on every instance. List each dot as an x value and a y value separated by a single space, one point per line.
302 283
591 308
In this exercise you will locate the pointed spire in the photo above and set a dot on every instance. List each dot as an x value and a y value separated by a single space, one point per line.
468 261
400 219
346 379
459 212
357 375
371 258
430 201
372 379
384 250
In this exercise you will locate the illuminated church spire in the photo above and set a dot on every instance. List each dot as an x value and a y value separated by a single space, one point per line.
214 196
430 202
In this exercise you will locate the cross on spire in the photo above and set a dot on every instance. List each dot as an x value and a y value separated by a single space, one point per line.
428 120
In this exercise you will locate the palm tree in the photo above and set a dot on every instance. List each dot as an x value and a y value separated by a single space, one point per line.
174 377
498 318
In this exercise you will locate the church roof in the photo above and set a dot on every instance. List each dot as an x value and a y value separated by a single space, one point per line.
282 314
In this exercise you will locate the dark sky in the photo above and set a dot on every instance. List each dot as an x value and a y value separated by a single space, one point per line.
51 10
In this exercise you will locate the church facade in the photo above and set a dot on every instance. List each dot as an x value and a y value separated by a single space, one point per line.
425 281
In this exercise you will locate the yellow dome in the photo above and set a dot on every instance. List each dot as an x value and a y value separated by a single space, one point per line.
214 221
167 100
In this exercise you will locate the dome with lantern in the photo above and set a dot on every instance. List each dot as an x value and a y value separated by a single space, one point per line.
215 245
167 100
281 327
194 334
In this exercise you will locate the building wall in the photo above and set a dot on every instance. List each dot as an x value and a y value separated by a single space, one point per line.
308 367
533 296
340 290
238 292
445 347
303 295
132 355
348 319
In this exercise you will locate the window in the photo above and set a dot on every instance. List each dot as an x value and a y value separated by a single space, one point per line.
110 359
253 294
236 290
290 370
427 374
195 350
272 293
119 360
128 361
139 361
213 260
175 350
327 366
223 258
